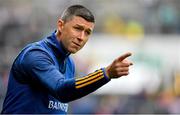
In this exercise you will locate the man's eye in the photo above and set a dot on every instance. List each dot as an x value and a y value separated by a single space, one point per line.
88 33
77 28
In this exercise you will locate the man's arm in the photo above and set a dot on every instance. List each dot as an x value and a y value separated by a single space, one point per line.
40 66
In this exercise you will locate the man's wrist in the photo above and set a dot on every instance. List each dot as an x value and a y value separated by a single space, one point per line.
105 74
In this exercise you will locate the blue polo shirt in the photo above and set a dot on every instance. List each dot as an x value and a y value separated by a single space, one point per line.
42 80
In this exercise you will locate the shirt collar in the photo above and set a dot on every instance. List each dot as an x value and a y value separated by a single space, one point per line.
57 46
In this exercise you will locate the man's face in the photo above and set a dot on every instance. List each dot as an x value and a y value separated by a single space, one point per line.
74 33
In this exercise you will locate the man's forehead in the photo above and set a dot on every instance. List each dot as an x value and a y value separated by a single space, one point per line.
82 22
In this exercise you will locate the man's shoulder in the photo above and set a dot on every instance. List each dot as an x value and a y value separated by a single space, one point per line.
32 50
35 46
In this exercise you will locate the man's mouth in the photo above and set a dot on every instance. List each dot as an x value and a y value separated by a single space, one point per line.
76 44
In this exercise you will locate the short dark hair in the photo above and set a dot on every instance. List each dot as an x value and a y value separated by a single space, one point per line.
77 10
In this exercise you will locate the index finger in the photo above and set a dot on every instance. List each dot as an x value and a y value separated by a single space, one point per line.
124 56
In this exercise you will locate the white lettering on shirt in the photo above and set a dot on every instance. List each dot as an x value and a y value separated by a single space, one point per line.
58 105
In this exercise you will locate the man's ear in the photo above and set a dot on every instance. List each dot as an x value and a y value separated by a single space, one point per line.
60 25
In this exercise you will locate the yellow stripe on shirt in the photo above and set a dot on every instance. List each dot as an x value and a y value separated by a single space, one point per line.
90 82
92 74
88 79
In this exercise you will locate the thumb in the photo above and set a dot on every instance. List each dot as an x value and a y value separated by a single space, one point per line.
124 56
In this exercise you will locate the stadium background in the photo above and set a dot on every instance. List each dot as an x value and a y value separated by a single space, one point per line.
150 29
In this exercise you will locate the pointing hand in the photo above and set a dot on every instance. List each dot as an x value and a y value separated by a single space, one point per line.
119 67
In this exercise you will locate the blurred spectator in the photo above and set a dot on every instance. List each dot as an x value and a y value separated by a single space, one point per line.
134 30
114 25
168 17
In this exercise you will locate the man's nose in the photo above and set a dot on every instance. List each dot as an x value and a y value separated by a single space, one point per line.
81 36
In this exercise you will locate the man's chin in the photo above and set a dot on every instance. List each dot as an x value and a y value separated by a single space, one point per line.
73 51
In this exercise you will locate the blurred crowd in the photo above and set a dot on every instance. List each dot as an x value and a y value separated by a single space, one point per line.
127 104
25 21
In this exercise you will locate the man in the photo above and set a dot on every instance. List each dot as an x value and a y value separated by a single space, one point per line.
42 78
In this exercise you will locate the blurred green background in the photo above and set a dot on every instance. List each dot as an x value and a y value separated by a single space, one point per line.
150 29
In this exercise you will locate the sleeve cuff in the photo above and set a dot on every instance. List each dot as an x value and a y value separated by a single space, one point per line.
105 75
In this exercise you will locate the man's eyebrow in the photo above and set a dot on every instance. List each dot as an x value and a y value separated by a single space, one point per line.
88 29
